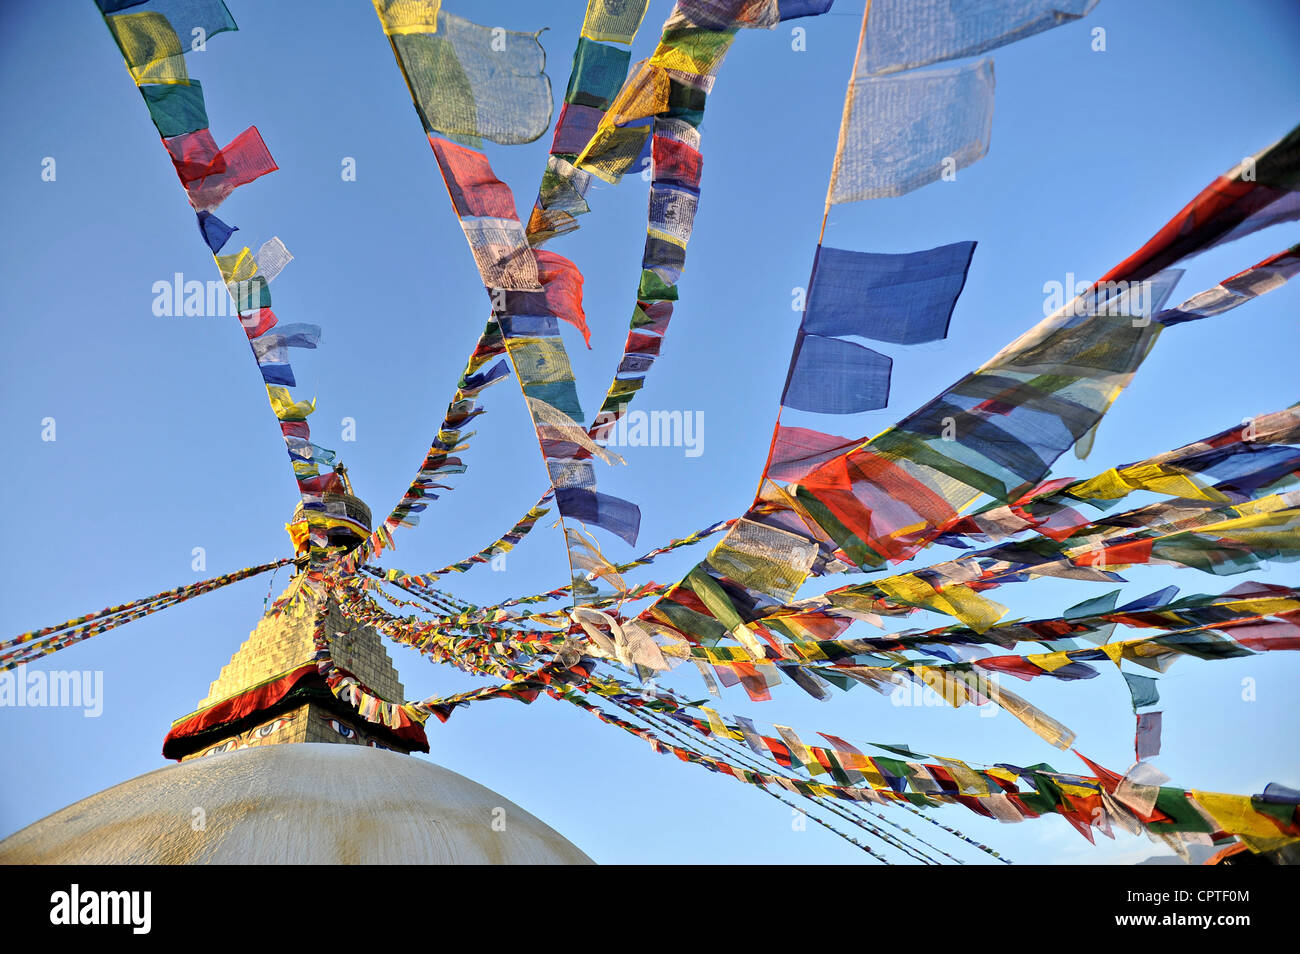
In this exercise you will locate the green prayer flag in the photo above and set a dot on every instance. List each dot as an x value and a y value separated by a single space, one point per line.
1142 689
176 108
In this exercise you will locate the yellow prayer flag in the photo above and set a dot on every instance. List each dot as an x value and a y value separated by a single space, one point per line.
1236 815
151 47
408 16
285 407
614 21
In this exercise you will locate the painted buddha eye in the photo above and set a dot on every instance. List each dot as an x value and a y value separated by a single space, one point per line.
375 745
262 731
225 746
344 730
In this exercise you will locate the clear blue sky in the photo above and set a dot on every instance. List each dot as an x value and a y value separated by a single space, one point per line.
165 441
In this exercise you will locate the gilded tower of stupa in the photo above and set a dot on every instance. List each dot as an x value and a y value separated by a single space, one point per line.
274 769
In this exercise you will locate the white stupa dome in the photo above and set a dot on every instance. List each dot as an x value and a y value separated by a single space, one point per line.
307 803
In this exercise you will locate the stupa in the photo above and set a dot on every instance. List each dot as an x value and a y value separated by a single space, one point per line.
274 769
